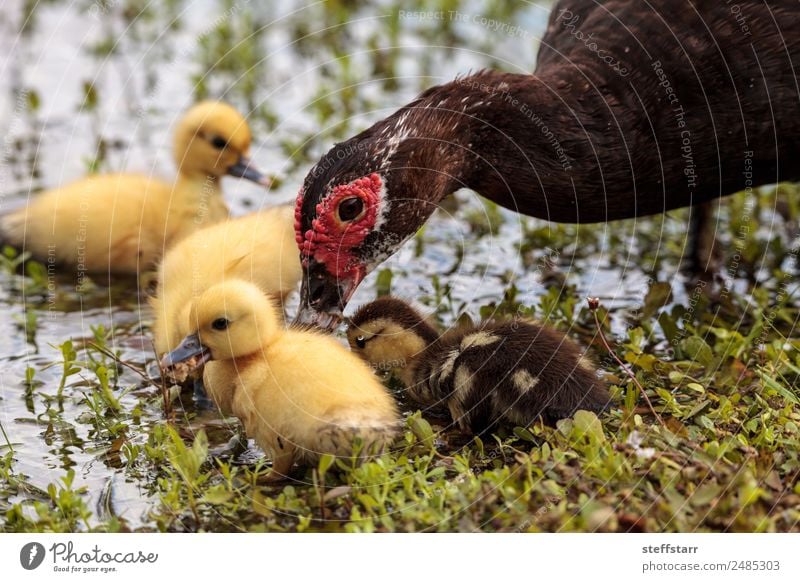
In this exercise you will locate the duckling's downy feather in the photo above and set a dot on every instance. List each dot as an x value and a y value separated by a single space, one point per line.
118 223
122 223
299 394
496 371
258 247
516 371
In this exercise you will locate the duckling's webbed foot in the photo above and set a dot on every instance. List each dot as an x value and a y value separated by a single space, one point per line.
282 463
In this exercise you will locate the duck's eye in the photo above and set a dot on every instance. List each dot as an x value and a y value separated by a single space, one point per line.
350 209
361 342
218 142
220 324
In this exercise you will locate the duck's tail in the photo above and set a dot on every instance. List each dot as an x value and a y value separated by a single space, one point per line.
358 439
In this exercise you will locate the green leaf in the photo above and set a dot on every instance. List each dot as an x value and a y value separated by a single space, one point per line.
325 462
524 434
657 297
383 283
705 494
643 361
545 452
421 429
368 501
217 495
774 385
706 422
32 100
587 424
89 96
668 326
479 445
698 350
187 461
262 504
698 408
676 377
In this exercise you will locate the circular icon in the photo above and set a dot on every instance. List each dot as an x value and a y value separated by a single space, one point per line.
31 555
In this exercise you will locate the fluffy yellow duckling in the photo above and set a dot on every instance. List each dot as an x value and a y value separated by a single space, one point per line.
298 393
121 223
258 247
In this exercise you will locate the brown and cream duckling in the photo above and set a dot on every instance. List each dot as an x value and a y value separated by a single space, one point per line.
298 393
495 372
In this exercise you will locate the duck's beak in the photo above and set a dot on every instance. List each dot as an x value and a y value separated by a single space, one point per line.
323 297
243 169
191 351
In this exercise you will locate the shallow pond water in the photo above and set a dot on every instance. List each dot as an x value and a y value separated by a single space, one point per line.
98 85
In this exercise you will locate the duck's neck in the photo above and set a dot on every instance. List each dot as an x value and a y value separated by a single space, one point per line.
509 137
525 154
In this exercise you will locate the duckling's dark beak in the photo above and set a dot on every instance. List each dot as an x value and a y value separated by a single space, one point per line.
191 351
243 169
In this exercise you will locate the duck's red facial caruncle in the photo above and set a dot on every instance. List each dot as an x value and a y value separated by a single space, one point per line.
329 249
344 218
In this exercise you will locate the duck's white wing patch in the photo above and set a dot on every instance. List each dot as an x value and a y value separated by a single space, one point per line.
478 339
524 381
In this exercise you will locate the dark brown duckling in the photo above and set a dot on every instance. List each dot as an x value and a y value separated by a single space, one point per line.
494 372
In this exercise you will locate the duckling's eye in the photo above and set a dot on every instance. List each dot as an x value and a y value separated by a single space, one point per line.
350 209
218 142
220 324
361 342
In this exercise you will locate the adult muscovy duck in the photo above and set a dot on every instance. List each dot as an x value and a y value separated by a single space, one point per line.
635 108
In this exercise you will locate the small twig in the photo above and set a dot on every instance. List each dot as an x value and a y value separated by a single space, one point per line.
116 358
108 353
164 389
319 486
594 304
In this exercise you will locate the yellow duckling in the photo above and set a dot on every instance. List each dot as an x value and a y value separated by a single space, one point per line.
121 223
259 247
298 393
